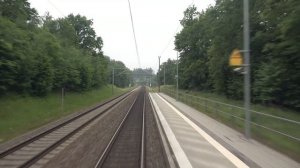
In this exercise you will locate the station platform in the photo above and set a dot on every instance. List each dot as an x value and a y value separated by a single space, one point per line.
200 141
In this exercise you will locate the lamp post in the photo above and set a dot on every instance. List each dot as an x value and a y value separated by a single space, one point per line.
247 68
158 74
113 77
113 80
62 99
177 78
164 74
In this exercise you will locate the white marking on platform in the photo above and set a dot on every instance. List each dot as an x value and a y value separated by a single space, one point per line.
231 157
180 155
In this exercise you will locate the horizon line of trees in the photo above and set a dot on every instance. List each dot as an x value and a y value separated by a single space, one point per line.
208 37
42 54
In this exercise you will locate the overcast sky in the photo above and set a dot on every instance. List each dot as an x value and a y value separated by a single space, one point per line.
155 23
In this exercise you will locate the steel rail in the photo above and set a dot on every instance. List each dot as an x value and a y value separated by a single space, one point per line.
142 157
168 153
51 147
37 157
114 137
48 131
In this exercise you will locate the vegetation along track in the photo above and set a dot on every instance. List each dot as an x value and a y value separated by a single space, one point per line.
30 151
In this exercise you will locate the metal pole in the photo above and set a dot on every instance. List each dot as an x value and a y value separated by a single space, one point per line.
62 99
158 74
177 78
113 81
247 69
164 74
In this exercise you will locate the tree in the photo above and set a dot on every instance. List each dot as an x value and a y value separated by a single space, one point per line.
19 12
169 68
40 56
278 81
13 48
144 76
208 37
86 35
122 75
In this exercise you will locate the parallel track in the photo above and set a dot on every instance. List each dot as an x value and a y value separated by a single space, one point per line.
30 151
127 145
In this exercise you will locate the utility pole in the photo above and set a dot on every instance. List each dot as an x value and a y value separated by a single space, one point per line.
158 74
164 74
113 80
177 78
247 69
62 99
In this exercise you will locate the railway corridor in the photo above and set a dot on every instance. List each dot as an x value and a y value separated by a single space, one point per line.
121 132
136 129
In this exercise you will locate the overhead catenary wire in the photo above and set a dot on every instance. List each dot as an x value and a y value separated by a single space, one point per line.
135 41
56 8
170 40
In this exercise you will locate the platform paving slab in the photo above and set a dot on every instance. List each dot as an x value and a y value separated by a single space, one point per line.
190 146
251 152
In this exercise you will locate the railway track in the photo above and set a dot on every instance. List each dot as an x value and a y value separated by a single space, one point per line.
120 132
27 153
127 145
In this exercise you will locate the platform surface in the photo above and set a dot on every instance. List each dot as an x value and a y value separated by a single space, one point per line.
200 141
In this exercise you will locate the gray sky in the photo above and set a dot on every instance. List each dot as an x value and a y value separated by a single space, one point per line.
155 23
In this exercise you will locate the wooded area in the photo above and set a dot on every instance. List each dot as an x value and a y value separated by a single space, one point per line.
39 54
208 37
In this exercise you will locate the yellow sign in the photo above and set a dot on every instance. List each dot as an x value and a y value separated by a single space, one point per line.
236 58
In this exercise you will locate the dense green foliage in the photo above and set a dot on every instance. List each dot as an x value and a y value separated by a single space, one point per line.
42 54
167 73
208 37
144 77
122 75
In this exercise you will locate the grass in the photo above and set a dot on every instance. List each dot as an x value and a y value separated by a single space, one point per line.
225 114
152 89
21 114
